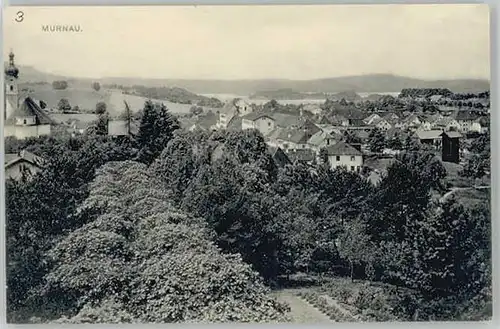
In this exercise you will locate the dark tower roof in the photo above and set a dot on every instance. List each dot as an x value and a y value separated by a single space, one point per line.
11 69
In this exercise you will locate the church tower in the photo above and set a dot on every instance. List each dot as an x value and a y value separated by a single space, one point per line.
11 88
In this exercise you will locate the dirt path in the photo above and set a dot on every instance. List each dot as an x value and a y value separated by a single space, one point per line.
455 189
302 311
343 310
449 193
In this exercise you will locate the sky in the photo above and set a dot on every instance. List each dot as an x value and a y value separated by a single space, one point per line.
440 41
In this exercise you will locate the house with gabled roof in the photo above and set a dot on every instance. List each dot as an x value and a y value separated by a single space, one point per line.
481 125
261 121
446 123
381 124
322 139
344 155
425 123
324 120
466 119
231 110
22 164
292 139
430 137
391 117
295 137
372 117
411 122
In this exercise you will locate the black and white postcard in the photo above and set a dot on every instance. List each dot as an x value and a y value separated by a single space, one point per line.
267 164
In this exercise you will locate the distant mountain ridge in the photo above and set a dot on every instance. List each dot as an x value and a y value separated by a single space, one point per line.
362 83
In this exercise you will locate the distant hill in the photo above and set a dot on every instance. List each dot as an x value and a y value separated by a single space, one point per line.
286 94
366 83
372 83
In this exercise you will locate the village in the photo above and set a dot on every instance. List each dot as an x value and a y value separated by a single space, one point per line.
351 134
346 134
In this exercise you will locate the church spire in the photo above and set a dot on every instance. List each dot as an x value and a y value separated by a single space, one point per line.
12 70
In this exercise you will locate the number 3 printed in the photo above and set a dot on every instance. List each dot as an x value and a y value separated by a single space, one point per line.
19 16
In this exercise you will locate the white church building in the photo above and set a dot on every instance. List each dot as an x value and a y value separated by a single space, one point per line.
22 119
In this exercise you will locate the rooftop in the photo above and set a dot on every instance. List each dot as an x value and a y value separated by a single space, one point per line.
429 134
293 135
452 134
29 108
12 158
342 148
257 115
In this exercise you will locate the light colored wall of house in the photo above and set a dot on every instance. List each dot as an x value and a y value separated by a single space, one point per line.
25 120
476 127
453 125
383 125
425 126
247 124
346 160
23 132
466 125
265 125
243 108
222 120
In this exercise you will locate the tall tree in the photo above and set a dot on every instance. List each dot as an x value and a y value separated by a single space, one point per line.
403 195
376 141
155 131
64 105
96 86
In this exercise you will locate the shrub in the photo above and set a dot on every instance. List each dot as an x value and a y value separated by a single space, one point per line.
130 265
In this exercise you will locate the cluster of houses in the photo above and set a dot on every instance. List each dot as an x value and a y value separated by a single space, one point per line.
293 136
302 135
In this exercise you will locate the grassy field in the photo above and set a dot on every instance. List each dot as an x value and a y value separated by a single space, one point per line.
87 98
472 197
453 176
